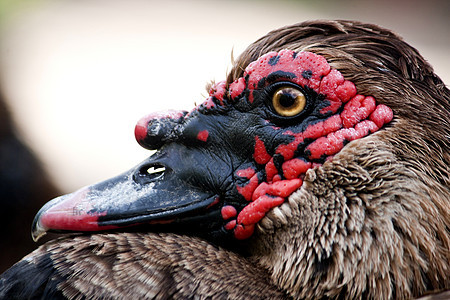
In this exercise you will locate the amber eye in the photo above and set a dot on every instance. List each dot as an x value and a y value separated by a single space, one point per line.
288 101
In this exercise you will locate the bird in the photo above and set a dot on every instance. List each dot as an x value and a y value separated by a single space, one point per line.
318 169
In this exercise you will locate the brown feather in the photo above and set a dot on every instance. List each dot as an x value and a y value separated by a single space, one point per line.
153 266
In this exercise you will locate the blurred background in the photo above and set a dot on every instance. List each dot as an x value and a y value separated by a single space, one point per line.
75 77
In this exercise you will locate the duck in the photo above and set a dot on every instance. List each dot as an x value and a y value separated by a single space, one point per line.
318 169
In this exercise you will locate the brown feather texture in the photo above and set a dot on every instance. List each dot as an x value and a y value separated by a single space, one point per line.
153 266
372 223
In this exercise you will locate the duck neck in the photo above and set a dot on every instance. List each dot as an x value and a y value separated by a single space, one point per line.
358 227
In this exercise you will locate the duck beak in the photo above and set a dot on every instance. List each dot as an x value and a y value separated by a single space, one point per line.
151 193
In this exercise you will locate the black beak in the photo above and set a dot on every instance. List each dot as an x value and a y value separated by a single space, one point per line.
151 193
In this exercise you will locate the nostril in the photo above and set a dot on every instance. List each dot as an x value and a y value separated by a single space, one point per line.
155 170
150 173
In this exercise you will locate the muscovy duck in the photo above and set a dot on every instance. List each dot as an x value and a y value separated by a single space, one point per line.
318 169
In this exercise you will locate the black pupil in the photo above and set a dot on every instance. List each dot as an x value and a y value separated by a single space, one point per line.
287 99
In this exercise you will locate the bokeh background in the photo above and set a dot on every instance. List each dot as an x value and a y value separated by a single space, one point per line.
77 75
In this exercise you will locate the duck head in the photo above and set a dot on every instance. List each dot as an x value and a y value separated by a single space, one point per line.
325 151
220 168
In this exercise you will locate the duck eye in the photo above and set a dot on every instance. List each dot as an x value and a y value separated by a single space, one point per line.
288 101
